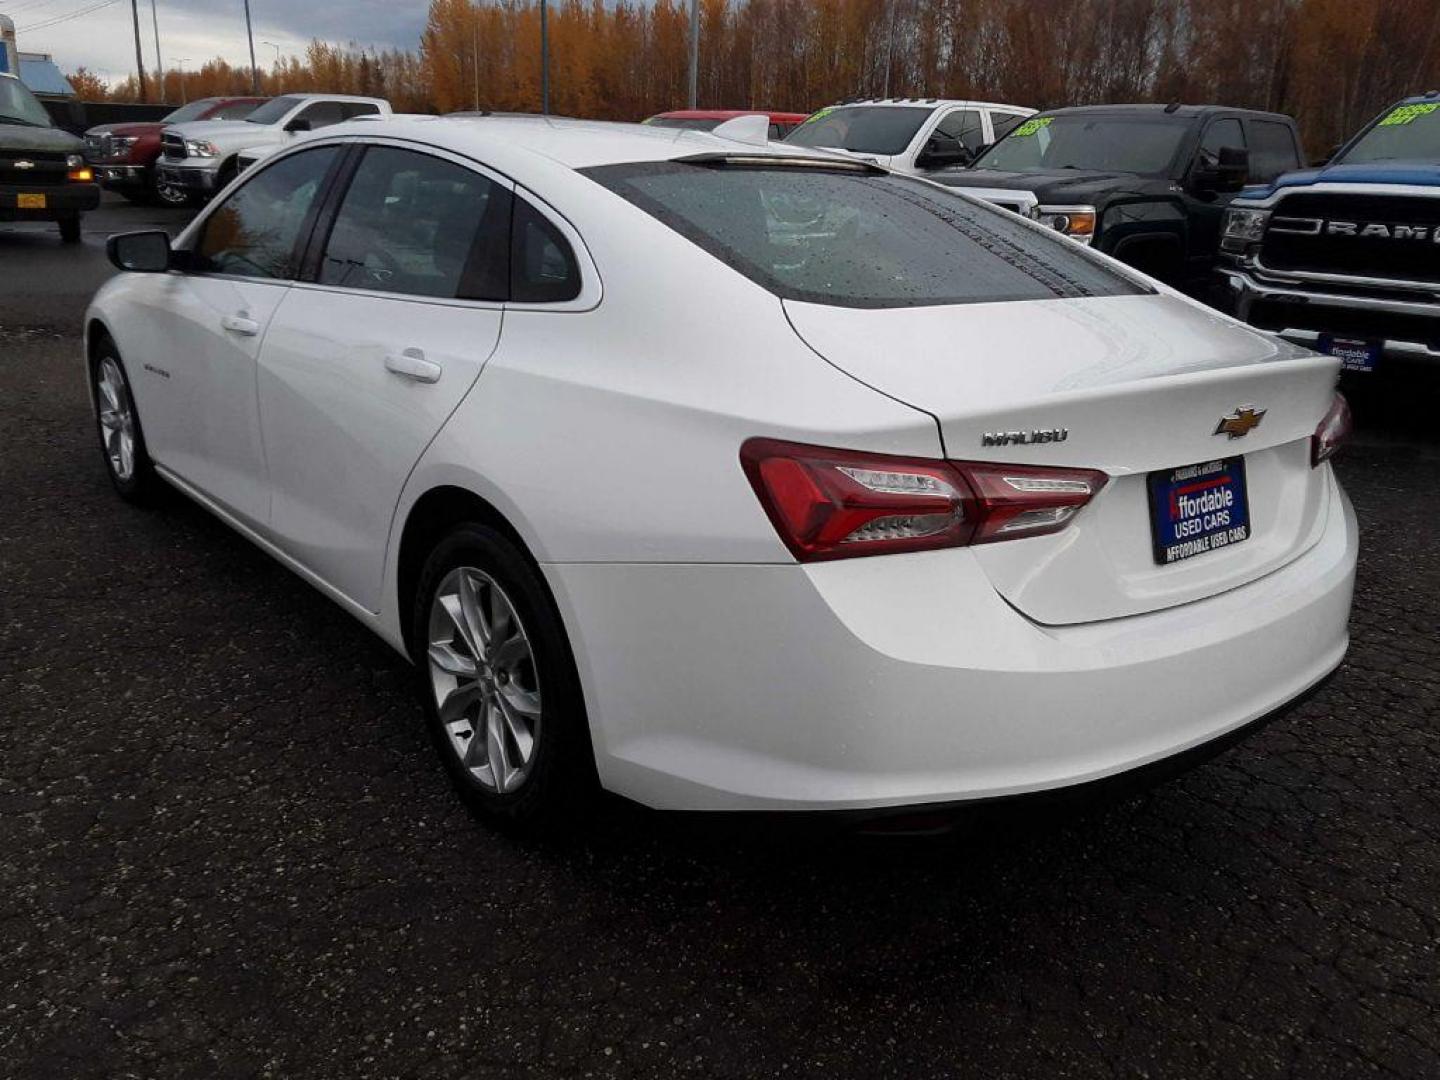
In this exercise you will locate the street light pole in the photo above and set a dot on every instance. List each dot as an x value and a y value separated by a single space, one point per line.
254 71
139 55
182 61
544 62
159 64
694 51
279 81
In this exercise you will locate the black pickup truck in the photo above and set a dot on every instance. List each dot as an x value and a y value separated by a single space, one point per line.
1148 184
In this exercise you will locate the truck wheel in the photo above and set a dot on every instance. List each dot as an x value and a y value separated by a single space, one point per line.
168 194
70 229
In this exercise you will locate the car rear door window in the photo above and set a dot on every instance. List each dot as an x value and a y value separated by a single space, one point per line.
256 231
352 109
855 238
419 225
1272 150
1004 123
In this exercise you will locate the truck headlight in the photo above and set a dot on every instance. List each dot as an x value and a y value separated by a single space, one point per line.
201 148
1076 222
1246 226
77 170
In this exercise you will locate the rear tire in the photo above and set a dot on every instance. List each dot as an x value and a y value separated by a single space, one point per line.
70 229
122 440
502 699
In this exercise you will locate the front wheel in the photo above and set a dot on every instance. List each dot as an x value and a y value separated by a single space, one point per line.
122 442
70 229
165 194
501 694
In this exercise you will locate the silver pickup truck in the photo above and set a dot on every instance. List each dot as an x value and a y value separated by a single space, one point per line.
200 157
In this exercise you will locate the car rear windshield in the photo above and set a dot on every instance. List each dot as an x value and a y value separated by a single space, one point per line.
273 110
1133 144
858 239
1405 133
862 129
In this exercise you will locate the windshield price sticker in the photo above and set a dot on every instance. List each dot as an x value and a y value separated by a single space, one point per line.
1031 126
1407 114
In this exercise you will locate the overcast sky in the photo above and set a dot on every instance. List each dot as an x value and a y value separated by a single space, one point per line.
103 39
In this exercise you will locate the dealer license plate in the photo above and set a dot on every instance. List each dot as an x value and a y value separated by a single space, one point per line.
1198 508
1355 354
25 201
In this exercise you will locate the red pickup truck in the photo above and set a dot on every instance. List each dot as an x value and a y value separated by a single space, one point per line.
123 155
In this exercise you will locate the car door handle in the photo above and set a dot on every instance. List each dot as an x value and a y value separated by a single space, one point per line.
412 365
241 323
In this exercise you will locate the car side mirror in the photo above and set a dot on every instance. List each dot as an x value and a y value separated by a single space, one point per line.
145 252
1225 175
298 124
943 151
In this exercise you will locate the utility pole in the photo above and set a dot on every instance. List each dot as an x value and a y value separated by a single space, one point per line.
139 56
159 64
254 71
475 49
184 95
544 62
694 51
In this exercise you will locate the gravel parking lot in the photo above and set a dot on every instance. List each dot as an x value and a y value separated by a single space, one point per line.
226 847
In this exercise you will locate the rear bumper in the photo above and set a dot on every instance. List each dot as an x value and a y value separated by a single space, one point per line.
61 200
1297 311
906 681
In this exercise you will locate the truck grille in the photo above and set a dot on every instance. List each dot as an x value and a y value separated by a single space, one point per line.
31 169
173 147
1393 236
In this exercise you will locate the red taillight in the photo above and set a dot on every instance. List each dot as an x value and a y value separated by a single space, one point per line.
836 504
1333 432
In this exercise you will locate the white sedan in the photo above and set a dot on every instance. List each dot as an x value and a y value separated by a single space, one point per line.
731 475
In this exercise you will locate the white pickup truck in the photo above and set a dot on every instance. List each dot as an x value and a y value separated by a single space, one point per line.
910 135
200 157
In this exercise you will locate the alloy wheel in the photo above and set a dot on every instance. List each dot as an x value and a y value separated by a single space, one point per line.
117 420
483 676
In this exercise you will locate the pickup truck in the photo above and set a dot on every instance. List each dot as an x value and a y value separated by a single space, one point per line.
124 155
43 175
1345 258
200 156
1148 184
916 136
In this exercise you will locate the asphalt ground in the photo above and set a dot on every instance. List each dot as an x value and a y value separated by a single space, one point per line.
227 849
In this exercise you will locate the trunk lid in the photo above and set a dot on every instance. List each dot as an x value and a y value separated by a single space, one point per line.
1138 384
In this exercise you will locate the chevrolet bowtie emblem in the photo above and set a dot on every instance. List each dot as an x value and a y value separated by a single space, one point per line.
23 164
1241 422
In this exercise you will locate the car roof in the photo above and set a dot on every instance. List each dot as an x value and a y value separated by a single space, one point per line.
575 144
336 97
928 103
1151 109
726 114
1429 97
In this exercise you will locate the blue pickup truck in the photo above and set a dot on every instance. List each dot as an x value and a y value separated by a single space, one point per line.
1346 258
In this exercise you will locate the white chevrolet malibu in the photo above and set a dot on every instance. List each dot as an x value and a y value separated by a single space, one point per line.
735 476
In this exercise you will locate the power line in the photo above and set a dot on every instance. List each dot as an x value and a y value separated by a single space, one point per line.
58 19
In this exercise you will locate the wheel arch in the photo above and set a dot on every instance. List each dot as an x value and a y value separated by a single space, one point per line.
431 516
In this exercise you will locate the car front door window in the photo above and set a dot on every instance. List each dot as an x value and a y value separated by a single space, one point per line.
256 232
